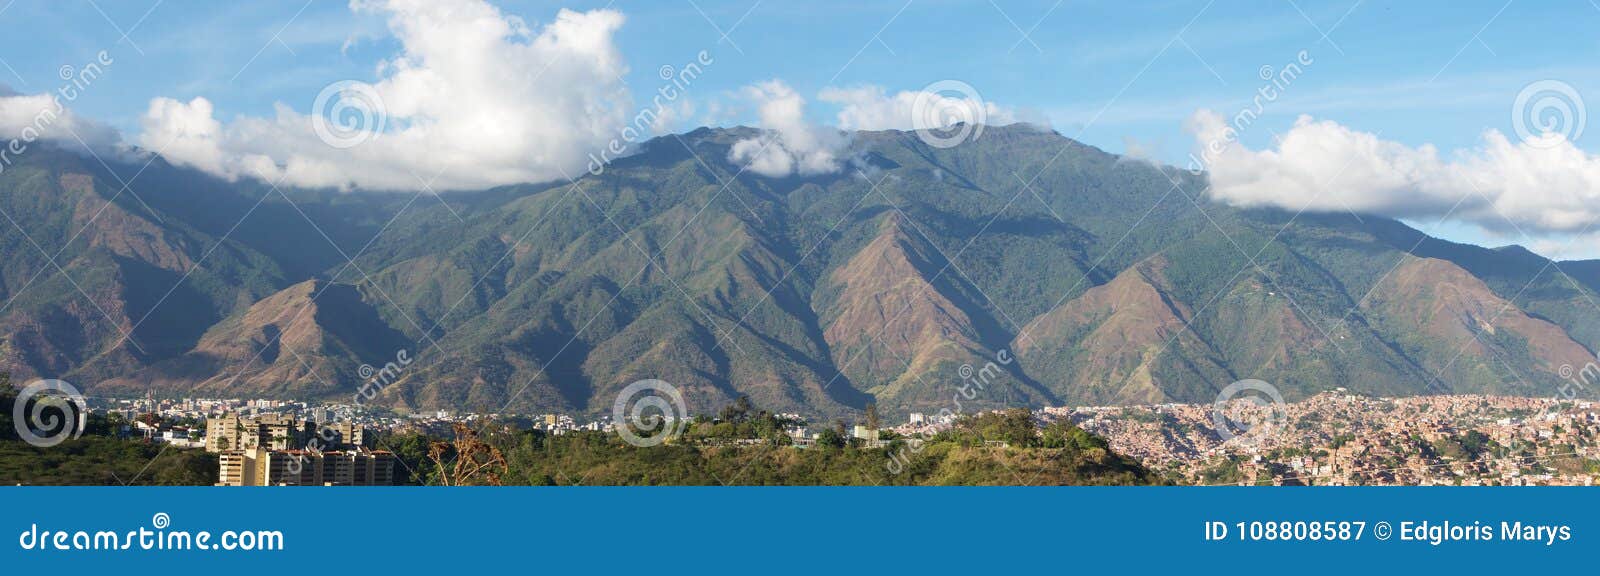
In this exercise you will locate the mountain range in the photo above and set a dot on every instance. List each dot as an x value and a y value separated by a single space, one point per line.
1020 268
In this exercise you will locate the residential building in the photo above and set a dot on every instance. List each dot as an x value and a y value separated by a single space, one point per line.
263 467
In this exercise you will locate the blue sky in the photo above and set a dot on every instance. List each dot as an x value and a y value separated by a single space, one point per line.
1119 75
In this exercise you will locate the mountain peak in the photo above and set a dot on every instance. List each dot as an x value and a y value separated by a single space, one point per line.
813 294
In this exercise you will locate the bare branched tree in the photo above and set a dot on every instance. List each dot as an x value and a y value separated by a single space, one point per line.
476 463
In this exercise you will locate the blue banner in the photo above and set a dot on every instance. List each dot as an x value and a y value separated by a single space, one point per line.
798 530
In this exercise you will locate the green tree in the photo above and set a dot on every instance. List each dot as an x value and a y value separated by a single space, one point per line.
738 411
830 438
1015 427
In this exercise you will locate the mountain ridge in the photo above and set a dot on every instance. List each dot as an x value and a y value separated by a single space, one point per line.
885 283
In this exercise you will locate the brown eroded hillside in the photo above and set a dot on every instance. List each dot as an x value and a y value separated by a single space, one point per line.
893 280
312 336
1110 338
1465 333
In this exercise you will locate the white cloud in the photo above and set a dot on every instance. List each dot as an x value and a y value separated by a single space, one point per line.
1541 186
185 133
871 108
475 96
790 145
44 118
793 145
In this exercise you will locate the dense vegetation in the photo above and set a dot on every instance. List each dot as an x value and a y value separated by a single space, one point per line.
741 446
989 449
97 457
105 461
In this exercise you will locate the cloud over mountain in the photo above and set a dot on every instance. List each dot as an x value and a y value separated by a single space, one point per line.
1542 184
791 145
44 118
475 98
872 108
795 145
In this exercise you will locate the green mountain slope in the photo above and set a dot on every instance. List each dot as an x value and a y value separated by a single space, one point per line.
1083 277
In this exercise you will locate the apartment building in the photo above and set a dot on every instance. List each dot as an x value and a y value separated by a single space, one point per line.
270 431
278 432
262 467
280 450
